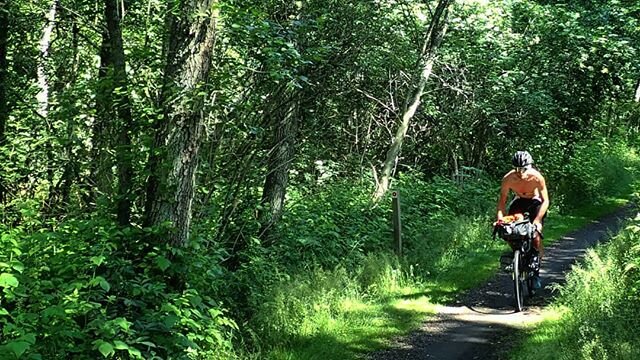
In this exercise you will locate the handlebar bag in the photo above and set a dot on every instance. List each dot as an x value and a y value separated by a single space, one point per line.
516 230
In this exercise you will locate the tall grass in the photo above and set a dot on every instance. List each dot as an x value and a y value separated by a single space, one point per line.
597 170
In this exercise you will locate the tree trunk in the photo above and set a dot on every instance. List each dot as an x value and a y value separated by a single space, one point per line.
280 156
45 40
173 158
122 107
4 67
43 84
433 38
101 176
637 97
71 169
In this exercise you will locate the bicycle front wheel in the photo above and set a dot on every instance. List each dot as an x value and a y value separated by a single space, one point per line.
518 288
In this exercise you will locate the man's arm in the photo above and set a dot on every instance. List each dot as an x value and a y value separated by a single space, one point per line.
545 201
502 201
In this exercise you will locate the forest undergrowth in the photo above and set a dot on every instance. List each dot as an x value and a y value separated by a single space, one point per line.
332 287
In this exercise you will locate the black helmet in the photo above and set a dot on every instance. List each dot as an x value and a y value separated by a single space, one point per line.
522 159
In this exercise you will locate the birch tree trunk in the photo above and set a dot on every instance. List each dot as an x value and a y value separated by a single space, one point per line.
433 38
4 67
43 85
173 158
42 96
637 97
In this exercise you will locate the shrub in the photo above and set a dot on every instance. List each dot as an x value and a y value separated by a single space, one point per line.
597 170
92 289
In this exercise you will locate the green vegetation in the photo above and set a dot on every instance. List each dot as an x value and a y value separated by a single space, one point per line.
75 291
394 296
208 179
596 315
345 294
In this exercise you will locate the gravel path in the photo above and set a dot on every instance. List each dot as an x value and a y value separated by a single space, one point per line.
476 325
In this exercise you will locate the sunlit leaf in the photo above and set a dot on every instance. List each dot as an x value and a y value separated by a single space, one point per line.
106 349
8 280
97 260
119 345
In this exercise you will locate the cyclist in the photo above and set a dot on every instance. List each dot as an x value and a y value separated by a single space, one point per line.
530 189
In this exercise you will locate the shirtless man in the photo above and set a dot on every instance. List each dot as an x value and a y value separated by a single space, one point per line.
531 196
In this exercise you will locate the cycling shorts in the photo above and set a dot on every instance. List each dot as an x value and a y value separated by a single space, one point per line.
523 205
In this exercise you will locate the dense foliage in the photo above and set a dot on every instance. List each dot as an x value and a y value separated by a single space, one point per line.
195 179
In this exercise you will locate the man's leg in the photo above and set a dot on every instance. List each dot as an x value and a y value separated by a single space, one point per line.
537 244
534 208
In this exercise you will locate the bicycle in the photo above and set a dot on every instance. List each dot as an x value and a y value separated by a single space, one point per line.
523 263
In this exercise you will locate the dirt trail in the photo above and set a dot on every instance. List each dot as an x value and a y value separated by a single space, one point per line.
475 326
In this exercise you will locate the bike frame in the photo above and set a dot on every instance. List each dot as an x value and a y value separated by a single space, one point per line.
521 271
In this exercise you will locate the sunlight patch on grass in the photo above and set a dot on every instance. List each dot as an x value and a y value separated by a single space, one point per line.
349 305
554 313
418 305
358 327
543 336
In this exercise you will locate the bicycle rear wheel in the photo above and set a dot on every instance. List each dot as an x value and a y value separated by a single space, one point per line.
518 282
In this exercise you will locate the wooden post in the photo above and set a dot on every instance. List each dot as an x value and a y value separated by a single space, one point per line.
397 223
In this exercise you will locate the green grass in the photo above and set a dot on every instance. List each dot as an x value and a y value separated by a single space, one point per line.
561 224
542 338
359 329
